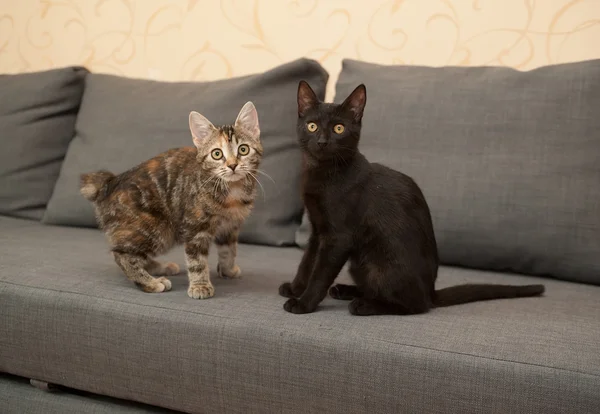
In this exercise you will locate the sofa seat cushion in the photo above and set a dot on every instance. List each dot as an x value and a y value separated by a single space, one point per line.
68 316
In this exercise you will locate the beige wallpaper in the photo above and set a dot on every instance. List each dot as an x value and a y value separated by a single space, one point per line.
211 39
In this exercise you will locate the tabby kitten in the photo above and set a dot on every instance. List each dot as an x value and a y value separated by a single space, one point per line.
191 195
373 216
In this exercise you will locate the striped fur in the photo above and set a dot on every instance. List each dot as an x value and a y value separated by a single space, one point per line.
182 196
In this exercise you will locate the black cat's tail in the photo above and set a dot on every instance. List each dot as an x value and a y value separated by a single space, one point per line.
91 184
457 295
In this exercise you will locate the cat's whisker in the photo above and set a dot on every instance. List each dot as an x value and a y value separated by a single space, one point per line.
258 182
342 148
224 184
337 156
220 184
265 174
216 186
212 191
205 182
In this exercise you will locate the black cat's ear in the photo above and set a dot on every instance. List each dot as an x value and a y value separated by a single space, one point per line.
307 98
356 102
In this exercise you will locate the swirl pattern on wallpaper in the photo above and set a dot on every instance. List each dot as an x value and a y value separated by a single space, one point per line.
212 39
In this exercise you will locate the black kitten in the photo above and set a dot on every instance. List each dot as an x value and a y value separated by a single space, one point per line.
373 216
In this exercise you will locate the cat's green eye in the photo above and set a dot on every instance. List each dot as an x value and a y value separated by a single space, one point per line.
312 127
338 129
243 149
217 154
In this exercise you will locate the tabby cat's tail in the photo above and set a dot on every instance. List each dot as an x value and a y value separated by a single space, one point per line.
91 184
457 295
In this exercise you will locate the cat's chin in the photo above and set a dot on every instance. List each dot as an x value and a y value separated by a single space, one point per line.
319 156
233 178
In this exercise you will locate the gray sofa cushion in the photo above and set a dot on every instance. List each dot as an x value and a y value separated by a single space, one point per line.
509 161
37 122
69 316
124 121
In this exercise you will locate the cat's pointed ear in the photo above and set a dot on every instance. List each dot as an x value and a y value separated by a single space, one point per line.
200 127
247 120
307 98
356 102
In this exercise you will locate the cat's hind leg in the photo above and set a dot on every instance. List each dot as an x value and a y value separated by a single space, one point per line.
134 244
156 268
348 292
368 307
226 241
344 292
385 292
134 267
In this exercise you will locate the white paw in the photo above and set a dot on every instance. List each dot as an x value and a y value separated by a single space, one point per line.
158 285
201 291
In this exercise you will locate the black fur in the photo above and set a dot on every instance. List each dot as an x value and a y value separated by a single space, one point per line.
373 216
228 131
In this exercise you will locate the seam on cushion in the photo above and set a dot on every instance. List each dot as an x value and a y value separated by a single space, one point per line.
114 300
490 358
374 339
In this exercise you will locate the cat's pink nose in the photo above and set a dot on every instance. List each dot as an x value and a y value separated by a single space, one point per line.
232 166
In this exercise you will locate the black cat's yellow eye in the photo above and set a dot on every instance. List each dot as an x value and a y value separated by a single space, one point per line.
312 127
217 154
338 129
243 149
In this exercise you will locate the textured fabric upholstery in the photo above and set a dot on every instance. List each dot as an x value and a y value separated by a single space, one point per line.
69 316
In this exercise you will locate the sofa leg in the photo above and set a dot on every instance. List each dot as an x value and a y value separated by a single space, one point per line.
43 385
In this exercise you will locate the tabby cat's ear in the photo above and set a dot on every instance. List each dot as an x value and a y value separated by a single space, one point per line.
307 98
247 120
356 102
200 127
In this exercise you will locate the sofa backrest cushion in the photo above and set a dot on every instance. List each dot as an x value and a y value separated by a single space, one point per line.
37 122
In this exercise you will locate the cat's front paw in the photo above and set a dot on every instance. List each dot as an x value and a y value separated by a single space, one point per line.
293 305
234 273
201 291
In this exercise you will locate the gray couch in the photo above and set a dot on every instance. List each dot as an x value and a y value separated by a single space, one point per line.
510 164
